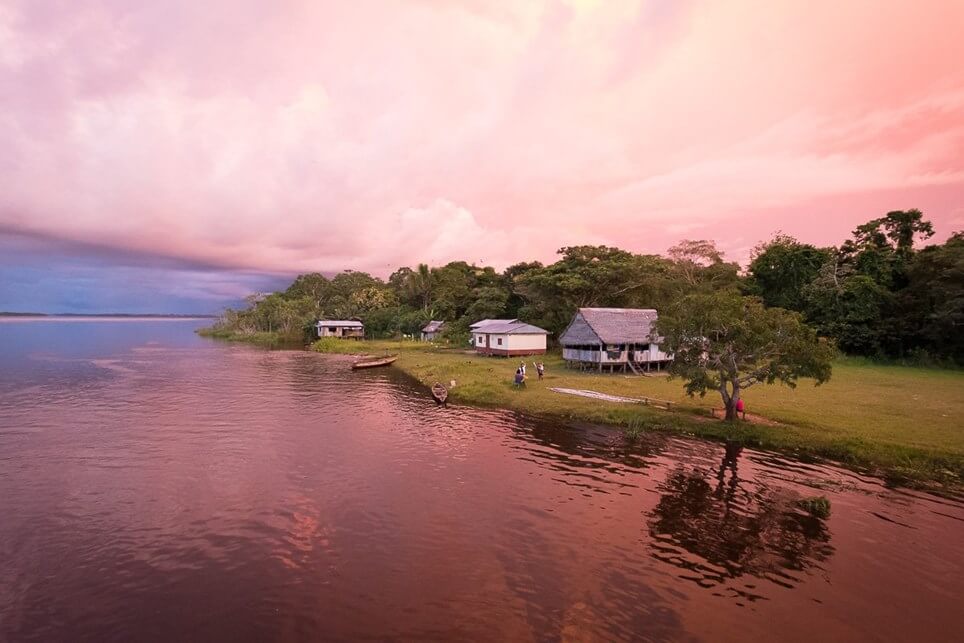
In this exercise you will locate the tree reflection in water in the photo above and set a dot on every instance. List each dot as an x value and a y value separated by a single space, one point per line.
727 528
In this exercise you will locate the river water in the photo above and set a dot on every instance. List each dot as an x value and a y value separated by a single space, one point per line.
155 485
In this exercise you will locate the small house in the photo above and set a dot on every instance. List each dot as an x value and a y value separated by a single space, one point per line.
344 328
431 330
508 337
613 339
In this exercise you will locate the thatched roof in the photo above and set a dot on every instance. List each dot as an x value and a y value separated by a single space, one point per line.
611 326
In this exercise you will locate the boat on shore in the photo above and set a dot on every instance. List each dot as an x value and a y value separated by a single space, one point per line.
439 393
374 362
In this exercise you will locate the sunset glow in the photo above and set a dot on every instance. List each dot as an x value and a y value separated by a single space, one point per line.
257 138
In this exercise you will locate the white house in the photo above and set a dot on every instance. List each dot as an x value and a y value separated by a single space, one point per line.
348 328
507 337
613 339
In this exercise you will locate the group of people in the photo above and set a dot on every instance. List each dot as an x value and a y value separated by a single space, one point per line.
520 373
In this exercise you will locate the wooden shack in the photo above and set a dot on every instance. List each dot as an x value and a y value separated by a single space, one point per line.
613 339
343 328
431 330
508 337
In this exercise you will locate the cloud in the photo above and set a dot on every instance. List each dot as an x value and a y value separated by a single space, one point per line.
40 275
296 136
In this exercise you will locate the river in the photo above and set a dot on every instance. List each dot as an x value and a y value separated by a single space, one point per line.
158 486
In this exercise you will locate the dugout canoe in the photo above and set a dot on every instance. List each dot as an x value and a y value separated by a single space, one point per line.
373 363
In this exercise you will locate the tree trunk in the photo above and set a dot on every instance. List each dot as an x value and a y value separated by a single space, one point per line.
731 410
730 399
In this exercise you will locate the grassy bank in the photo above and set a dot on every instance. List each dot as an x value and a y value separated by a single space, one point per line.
271 340
900 422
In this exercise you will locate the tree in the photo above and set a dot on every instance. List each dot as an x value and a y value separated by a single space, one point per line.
490 303
728 343
514 277
418 286
698 265
584 276
452 289
313 285
861 296
897 229
370 298
342 300
882 248
932 305
781 268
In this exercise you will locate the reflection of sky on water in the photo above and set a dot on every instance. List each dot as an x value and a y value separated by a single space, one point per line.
222 491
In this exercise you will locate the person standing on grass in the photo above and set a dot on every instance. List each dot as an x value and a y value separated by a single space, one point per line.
741 408
520 376
540 369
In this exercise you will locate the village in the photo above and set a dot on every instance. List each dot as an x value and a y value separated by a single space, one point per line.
674 342
602 339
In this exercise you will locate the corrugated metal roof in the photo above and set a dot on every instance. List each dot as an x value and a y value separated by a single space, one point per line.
486 322
433 326
350 323
513 327
618 325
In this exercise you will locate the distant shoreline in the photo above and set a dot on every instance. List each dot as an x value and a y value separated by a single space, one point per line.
109 315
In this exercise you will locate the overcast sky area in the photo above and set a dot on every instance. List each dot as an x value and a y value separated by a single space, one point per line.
173 156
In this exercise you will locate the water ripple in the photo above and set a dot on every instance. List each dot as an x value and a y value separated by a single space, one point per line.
174 488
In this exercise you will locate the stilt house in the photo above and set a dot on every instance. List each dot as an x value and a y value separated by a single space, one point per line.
613 339
345 328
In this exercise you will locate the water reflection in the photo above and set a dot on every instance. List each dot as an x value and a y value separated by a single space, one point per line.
716 527
155 486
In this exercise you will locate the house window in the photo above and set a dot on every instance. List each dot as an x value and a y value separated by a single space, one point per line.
332 329
499 340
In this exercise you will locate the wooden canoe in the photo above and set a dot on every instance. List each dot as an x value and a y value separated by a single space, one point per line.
372 363
440 393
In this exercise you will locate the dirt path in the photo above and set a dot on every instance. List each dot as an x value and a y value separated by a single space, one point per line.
619 399
606 397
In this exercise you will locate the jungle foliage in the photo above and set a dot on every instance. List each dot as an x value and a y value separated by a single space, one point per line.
877 294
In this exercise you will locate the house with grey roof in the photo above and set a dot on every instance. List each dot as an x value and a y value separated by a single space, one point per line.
488 322
613 339
508 337
431 330
344 328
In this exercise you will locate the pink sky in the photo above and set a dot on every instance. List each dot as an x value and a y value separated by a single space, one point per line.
294 136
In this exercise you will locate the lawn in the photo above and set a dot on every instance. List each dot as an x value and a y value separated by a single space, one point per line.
903 422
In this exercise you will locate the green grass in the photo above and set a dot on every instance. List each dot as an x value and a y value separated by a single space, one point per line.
259 338
901 422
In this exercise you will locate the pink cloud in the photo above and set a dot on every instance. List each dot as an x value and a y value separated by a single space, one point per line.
307 135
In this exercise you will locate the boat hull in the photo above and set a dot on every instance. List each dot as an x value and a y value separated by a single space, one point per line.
374 363
440 394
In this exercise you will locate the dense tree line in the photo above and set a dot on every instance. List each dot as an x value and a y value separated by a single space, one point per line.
876 294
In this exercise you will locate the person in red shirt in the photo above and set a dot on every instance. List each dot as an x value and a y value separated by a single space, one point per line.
740 408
